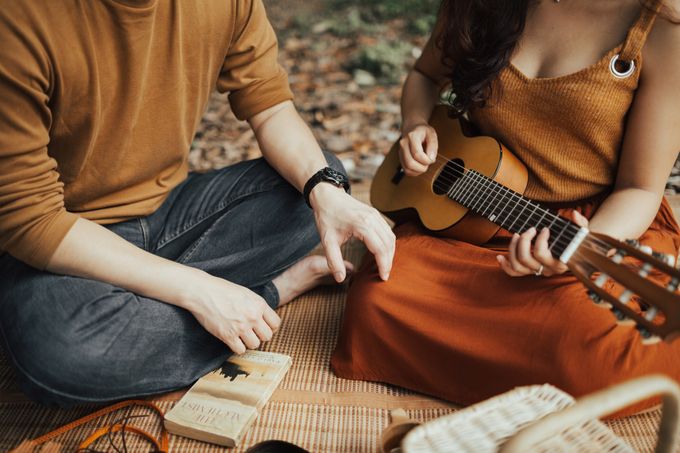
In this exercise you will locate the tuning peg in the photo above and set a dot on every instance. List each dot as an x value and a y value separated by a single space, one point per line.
646 249
634 242
651 340
625 296
645 269
601 280
647 337
665 257
595 297
618 256
597 300
621 318
651 313
673 284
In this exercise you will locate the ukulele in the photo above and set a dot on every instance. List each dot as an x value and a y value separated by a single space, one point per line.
475 187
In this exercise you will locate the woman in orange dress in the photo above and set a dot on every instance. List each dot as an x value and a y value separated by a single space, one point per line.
594 114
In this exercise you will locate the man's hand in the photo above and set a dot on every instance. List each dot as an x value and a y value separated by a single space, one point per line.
232 313
290 147
339 217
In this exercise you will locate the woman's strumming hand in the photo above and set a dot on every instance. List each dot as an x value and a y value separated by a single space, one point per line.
527 258
418 149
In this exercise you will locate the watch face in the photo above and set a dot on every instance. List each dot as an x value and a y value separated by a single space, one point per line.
336 176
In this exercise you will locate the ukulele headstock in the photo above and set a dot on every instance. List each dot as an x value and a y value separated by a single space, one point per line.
617 276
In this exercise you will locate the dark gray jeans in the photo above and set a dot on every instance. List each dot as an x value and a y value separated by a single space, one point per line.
74 340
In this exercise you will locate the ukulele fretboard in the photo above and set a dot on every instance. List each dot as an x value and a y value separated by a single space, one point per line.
504 206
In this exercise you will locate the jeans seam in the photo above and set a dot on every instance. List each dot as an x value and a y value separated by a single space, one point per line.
221 206
145 233
189 253
185 228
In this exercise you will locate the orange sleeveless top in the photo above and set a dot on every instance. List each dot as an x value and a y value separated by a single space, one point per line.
567 130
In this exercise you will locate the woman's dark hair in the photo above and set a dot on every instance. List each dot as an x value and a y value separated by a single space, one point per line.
477 39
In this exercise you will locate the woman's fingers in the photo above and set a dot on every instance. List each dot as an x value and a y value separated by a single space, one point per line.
431 144
417 138
418 149
523 251
515 263
543 255
507 267
578 219
411 166
525 258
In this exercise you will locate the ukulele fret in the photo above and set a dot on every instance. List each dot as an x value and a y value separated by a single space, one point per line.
534 206
511 211
474 188
487 189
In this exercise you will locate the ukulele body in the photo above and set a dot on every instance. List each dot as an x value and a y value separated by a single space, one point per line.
403 198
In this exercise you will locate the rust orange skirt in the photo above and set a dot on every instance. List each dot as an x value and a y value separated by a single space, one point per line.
452 324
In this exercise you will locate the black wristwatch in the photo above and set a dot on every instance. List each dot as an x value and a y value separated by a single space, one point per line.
325 175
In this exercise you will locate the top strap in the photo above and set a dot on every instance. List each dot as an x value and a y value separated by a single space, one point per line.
637 35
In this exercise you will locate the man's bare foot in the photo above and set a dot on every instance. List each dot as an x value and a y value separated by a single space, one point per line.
304 275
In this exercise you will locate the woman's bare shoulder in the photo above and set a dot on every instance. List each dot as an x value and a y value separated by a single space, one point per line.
662 50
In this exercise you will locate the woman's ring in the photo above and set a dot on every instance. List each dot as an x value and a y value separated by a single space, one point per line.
539 272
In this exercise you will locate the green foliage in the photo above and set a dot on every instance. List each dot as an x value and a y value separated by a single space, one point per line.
422 25
380 19
353 22
348 17
384 60
391 9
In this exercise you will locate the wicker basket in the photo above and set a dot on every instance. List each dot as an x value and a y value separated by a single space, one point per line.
545 419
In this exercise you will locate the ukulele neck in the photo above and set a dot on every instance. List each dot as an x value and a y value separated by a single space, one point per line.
515 213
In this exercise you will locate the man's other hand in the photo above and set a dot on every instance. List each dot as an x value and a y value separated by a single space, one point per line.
339 217
232 313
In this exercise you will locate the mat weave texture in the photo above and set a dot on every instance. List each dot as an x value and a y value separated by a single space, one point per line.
312 408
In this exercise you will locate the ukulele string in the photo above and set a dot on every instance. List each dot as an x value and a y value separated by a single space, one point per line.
564 223
496 191
450 177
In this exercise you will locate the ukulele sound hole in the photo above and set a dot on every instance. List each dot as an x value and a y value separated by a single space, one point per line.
448 176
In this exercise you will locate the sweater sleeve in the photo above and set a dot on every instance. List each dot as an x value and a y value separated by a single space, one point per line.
251 72
33 219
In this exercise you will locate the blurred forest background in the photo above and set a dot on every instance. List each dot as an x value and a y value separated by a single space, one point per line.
346 61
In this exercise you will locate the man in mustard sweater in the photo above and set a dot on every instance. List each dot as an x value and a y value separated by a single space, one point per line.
121 274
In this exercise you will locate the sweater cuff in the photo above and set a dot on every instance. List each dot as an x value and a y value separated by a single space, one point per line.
251 100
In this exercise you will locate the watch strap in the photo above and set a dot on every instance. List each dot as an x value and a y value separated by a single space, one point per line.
328 175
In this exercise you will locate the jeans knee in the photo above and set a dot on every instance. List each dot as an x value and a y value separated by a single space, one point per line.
53 373
73 353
